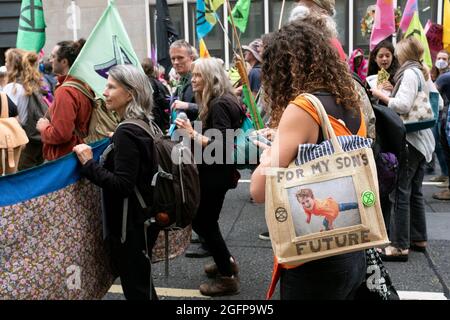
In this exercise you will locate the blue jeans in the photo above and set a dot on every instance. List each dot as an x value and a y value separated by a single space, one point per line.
332 278
408 222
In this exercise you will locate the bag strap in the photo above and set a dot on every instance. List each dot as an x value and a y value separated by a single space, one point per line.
420 79
325 124
152 130
4 105
79 87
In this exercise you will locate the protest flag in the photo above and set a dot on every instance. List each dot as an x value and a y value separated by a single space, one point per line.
166 34
415 29
384 24
206 16
240 14
107 46
31 32
410 8
204 53
446 25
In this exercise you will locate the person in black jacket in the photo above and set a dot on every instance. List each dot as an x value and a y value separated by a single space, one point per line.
128 166
161 96
220 111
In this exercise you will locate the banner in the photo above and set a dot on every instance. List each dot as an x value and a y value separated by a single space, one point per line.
206 16
415 28
384 24
31 32
51 242
166 34
107 46
240 14
410 8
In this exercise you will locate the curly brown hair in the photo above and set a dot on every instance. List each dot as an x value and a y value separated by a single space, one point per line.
299 58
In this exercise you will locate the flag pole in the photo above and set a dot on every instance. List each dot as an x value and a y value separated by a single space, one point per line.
243 72
281 14
234 29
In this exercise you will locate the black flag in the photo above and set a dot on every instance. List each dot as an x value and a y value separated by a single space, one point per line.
165 34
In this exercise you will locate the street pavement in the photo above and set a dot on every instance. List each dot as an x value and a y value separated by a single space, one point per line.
426 276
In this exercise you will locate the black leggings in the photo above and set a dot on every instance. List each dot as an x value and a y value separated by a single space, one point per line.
206 224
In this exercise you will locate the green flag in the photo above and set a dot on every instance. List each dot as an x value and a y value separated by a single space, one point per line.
240 14
107 46
31 32
415 28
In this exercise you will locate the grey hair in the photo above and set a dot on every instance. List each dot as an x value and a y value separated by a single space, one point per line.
137 84
301 12
216 83
184 44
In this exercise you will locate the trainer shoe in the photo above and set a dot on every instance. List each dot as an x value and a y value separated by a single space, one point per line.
197 252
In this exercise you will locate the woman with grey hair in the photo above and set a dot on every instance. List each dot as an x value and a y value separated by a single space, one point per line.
126 167
219 111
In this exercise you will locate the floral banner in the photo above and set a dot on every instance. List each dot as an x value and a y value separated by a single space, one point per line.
51 244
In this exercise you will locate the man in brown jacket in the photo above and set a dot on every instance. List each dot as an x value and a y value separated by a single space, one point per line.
71 110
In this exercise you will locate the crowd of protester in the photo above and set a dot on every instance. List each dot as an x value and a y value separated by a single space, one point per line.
304 56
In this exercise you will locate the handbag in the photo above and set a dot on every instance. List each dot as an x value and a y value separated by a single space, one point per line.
326 202
246 153
378 284
12 139
425 111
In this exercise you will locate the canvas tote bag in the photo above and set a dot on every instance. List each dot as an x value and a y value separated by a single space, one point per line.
12 139
327 201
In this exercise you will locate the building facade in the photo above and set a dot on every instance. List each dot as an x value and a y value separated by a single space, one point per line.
139 17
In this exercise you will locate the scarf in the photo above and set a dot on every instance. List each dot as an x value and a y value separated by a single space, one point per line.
399 74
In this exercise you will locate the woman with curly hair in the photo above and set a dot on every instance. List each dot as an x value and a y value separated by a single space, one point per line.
299 59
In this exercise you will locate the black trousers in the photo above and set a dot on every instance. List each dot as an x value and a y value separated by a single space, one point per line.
333 278
131 265
206 224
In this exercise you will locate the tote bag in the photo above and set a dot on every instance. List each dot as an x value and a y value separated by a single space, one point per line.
327 201
425 111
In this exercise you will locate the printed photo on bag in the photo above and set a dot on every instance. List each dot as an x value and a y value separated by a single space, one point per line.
324 206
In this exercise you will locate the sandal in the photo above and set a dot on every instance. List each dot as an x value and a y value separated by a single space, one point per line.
420 246
394 254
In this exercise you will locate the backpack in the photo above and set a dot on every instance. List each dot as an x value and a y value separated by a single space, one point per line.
12 139
37 108
102 120
388 146
175 184
161 109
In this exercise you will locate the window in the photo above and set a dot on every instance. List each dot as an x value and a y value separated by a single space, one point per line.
341 19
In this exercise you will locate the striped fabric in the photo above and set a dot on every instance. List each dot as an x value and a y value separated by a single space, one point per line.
309 152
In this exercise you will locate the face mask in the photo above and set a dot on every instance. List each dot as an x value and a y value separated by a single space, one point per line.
441 64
